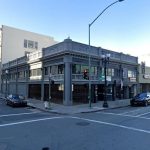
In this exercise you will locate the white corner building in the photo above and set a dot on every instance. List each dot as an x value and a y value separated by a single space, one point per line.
15 43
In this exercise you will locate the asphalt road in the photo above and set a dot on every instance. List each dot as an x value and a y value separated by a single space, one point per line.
30 129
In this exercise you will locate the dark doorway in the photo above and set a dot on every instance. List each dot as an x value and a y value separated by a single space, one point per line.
35 91
80 94
100 92
56 94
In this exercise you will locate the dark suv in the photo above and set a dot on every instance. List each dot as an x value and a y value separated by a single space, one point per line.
141 99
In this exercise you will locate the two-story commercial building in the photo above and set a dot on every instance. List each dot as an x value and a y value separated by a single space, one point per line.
144 78
65 63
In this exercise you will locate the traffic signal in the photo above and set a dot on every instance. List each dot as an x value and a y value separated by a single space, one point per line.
85 75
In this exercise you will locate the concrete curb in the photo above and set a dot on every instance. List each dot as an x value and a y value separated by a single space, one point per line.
46 110
71 113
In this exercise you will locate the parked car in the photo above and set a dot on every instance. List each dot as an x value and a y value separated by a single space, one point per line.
141 99
16 100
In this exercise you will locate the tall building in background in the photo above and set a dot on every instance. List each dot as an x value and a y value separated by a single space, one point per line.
15 43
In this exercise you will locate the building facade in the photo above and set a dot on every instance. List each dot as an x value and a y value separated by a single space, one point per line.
15 43
144 78
65 63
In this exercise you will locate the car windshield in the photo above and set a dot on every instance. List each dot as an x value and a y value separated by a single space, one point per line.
141 95
15 96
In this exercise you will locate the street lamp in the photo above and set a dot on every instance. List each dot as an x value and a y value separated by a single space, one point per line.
50 80
105 61
90 47
6 72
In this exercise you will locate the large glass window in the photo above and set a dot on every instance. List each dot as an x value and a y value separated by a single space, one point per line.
125 73
25 44
21 74
131 74
13 76
79 69
112 72
109 72
54 70
84 67
30 44
36 45
39 72
60 69
36 72
94 70
76 69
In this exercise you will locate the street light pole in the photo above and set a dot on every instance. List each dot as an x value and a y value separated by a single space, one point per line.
89 96
50 80
105 60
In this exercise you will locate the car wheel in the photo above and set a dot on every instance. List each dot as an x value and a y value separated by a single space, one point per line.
131 104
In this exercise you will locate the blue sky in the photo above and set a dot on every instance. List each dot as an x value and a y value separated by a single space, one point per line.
124 27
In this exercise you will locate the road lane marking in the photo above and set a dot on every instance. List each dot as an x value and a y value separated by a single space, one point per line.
30 121
79 118
124 115
7 138
132 111
113 124
107 113
143 114
9 115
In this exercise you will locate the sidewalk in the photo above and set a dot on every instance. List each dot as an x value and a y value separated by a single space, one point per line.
75 109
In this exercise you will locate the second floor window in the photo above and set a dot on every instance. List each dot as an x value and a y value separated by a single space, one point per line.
109 72
30 44
131 74
36 72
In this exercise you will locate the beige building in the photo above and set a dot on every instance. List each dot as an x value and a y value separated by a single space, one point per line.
15 43
144 78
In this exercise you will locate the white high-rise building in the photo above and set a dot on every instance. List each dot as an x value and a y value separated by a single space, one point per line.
15 43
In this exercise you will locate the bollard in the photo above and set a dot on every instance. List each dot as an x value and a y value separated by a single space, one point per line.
46 105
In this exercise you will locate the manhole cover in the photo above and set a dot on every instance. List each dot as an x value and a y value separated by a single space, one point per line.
82 123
